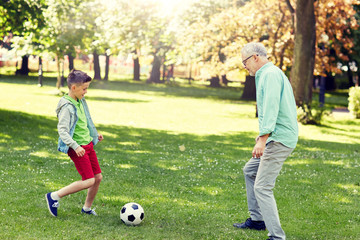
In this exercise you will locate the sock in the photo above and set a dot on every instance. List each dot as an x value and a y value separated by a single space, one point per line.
86 209
55 196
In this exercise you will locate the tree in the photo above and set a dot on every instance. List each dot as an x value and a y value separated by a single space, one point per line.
93 40
336 26
304 55
313 46
209 27
64 31
128 25
335 20
218 38
22 19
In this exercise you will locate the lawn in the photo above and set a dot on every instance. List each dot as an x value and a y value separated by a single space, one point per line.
193 194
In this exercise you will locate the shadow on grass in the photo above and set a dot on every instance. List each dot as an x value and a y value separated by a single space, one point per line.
229 93
108 99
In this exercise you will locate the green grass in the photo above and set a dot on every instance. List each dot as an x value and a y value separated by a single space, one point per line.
195 194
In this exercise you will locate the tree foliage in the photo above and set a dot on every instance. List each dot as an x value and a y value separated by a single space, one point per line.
335 19
210 33
21 17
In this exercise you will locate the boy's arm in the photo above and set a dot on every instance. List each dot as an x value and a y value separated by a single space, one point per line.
64 128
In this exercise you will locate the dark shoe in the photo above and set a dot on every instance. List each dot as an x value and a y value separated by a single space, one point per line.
52 204
250 224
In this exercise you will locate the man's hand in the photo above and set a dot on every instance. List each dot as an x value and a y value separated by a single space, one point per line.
80 151
259 148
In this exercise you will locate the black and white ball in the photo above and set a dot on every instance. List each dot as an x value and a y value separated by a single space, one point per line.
132 214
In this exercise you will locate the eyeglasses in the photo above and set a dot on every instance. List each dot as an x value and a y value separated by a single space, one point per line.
244 62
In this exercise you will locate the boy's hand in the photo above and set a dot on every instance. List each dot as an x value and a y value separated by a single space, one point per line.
100 137
80 151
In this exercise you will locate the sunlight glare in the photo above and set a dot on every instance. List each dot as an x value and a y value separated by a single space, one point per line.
170 7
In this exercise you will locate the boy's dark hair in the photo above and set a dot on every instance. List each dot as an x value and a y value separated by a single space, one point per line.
77 77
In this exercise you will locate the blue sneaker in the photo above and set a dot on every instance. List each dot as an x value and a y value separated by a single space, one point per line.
52 204
90 212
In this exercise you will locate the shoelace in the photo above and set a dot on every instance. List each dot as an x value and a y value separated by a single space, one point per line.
56 204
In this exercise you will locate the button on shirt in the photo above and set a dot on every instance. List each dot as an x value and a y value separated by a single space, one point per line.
82 133
276 106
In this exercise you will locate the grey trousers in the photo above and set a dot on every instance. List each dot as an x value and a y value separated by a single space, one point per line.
260 176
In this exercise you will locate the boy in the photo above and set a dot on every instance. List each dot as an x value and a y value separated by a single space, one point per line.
77 136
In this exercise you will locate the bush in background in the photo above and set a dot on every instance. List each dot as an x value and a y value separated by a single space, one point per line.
312 116
354 101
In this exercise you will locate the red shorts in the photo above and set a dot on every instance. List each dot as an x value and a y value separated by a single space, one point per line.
87 165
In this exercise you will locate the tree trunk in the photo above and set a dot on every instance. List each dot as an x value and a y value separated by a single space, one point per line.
40 72
164 71
107 66
97 74
71 61
58 82
304 55
190 73
155 71
136 66
24 70
215 82
62 72
249 89
224 80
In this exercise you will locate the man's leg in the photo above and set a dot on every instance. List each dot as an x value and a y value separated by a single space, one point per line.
250 171
270 165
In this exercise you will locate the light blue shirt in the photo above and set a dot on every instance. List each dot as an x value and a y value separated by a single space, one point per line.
276 106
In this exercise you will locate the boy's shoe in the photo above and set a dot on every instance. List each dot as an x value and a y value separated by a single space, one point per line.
90 212
250 224
52 204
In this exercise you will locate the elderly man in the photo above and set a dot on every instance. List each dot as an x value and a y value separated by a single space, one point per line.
278 135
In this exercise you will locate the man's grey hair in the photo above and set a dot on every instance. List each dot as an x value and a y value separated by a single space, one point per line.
254 48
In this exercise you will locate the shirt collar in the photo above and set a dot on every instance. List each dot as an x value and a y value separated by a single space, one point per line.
71 99
265 66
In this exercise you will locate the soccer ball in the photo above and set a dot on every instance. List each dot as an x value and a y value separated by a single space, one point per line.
132 214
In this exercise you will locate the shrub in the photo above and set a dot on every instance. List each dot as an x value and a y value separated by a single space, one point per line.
311 115
354 101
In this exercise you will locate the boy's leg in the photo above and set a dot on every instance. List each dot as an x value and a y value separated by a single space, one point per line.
83 166
53 202
270 165
76 187
92 191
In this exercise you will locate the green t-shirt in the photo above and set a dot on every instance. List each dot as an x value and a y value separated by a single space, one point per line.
81 133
